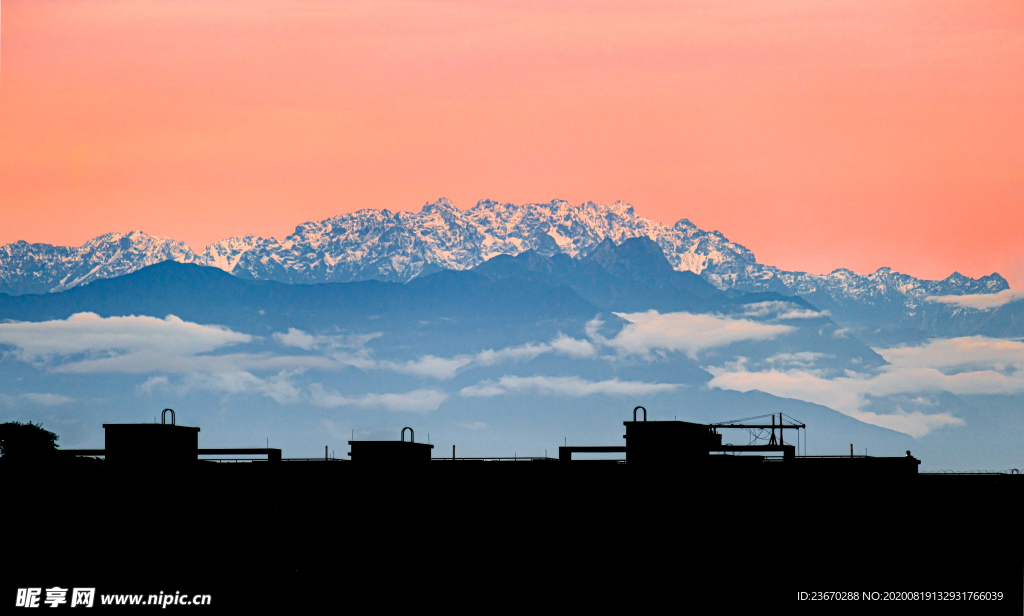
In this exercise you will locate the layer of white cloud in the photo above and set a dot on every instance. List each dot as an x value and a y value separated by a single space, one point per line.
440 368
279 387
781 310
155 360
90 334
86 343
308 342
647 332
914 423
445 368
683 332
562 385
525 352
581 349
48 399
194 354
155 384
418 401
44 399
803 359
298 339
847 394
986 301
962 366
965 352
803 313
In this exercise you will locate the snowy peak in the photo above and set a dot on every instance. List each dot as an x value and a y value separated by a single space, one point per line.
225 254
42 268
958 284
399 246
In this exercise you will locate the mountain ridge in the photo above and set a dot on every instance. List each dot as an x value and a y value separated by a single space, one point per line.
399 246
504 302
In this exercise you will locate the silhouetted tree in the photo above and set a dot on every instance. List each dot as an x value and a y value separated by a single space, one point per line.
22 441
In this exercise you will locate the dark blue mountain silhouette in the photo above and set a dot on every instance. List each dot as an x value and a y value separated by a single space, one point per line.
529 288
630 277
452 309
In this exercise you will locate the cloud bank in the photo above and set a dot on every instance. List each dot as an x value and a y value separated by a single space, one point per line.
418 401
562 386
782 310
181 356
683 332
986 301
961 366
351 351
92 335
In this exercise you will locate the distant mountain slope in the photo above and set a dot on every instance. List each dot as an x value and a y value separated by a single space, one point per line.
399 246
636 277
446 311
633 276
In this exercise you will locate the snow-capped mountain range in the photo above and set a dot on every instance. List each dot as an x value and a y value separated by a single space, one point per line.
398 246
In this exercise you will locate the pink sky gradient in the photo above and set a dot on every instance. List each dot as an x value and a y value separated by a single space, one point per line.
819 134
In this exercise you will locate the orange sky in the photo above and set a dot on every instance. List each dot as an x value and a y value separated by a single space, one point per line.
819 134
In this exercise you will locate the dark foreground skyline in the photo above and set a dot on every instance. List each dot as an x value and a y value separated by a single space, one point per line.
394 527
